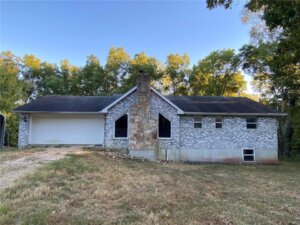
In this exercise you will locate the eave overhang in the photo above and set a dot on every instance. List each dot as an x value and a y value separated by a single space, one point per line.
235 114
51 112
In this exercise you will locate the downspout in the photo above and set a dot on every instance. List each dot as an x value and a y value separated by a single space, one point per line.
166 155
179 119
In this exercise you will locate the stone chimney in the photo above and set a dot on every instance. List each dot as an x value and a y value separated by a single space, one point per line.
143 128
143 86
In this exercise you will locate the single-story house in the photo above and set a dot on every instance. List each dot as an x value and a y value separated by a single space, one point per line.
150 125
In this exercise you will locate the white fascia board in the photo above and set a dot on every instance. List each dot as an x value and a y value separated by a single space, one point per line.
34 112
118 100
179 111
234 114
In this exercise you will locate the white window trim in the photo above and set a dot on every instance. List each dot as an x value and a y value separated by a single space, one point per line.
163 138
121 138
248 155
197 122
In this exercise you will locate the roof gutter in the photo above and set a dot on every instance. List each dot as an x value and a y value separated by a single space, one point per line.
184 113
48 112
234 114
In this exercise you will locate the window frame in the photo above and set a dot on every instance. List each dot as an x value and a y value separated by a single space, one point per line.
162 138
197 122
216 122
248 155
251 123
127 127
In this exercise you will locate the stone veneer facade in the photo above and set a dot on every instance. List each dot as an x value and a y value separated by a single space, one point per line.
226 144
206 144
24 121
157 106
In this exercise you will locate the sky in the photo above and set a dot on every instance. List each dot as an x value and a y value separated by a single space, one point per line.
56 30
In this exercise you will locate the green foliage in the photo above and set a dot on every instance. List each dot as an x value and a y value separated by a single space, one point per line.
218 74
215 3
11 129
275 63
117 68
11 94
141 61
31 74
91 78
24 79
177 73
273 75
11 86
295 135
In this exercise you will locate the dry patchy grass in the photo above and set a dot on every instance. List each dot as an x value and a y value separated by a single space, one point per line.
15 153
94 189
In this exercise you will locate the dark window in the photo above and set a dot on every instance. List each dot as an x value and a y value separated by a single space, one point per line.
164 127
248 155
197 121
121 127
248 158
219 122
248 151
251 123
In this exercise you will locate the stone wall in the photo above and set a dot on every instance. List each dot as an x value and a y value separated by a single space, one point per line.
226 144
143 127
207 144
168 148
118 110
158 105
24 122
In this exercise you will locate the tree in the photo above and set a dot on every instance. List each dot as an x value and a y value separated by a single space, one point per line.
275 62
283 57
117 68
92 78
31 74
176 76
11 87
141 62
70 78
11 94
215 3
218 74
276 14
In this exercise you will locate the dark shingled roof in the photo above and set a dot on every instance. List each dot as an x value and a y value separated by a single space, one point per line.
68 104
217 104
188 104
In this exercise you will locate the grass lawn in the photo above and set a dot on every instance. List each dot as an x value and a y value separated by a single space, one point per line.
15 153
95 189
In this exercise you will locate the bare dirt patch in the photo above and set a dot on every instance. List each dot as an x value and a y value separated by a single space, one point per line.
17 164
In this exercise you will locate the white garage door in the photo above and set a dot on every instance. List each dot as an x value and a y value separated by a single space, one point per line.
66 129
